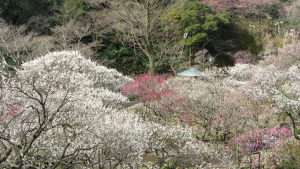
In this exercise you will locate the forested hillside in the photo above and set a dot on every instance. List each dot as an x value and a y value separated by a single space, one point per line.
148 36
92 84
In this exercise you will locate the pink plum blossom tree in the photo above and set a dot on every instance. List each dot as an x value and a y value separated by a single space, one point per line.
253 142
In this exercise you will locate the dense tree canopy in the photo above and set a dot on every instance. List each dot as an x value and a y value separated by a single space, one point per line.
19 12
199 23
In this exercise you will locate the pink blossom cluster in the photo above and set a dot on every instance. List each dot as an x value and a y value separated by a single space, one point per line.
155 93
254 141
9 109
13 110
146 88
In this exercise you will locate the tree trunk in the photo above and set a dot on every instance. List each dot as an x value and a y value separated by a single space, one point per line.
149 45
151 65
293 127
190 57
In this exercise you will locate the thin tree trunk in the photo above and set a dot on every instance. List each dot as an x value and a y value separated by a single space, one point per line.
149 45
190 57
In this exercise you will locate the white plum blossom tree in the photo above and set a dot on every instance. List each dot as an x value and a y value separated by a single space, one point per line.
56 97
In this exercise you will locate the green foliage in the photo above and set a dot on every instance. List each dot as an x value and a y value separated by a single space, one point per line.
291 155
218 45
289 24
200 22
247 41
175 63
272 10
256 26
204 27
124 60
19 11
231 42
38 14
232 39
60 166
277 42
71 9
192 17
253 33
224 60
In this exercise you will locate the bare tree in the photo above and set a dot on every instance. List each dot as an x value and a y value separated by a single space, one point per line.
17 46
140 22
69 37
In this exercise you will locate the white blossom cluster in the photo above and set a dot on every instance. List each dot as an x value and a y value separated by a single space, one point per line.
275 79
73 64
282 86
242 72
58 97
180 147
188 86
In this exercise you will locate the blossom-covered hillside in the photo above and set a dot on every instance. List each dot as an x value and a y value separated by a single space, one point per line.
64 110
